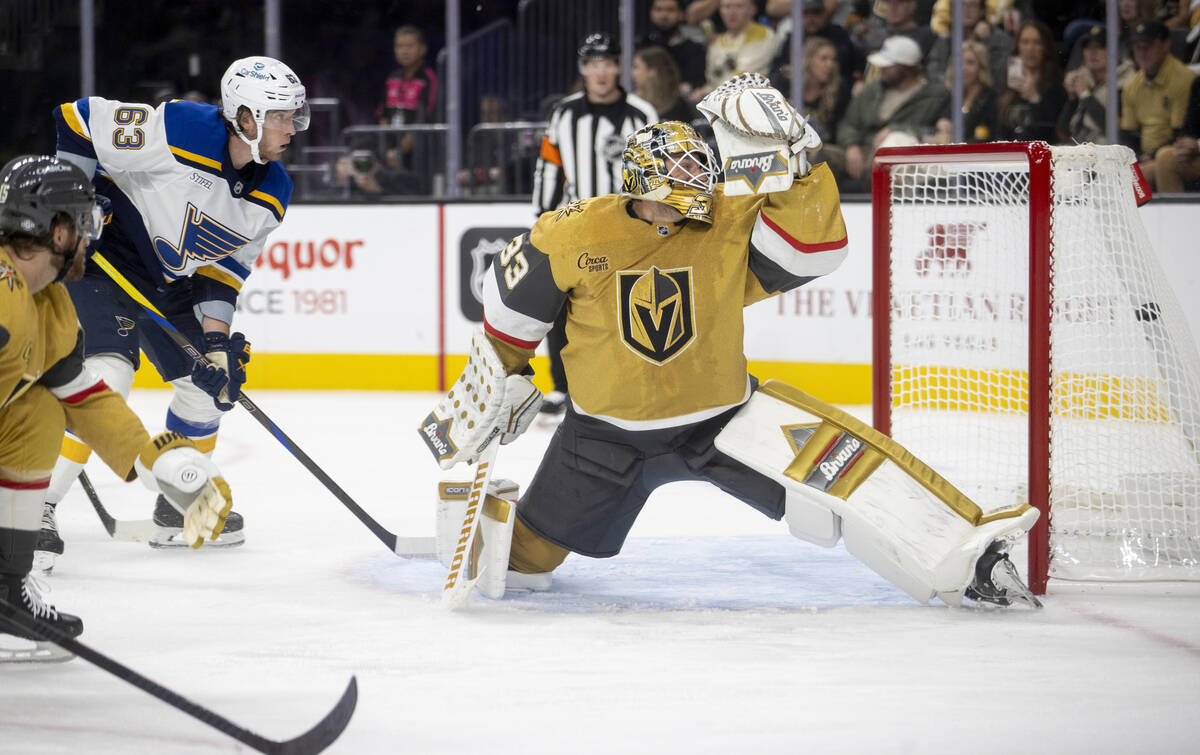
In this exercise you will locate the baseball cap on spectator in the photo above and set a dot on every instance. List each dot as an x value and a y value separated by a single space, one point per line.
818 5
896 51
1094 34
1149 31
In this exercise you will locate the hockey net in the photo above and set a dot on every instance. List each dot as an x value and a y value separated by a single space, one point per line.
1029 348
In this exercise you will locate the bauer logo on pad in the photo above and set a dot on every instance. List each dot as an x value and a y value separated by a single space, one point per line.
753 168
835 462
436 434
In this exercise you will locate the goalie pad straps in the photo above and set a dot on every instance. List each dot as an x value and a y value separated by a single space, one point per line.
896 515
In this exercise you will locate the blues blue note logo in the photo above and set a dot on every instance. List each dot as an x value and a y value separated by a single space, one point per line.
202 240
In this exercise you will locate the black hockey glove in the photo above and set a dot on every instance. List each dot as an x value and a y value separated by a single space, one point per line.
223 377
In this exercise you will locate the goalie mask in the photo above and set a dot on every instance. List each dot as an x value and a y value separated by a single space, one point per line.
670 163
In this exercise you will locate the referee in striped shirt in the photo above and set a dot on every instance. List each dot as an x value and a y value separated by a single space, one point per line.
581 157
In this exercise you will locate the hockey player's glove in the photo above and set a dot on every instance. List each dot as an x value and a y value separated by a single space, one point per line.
223 378
190 481
484 402
762 140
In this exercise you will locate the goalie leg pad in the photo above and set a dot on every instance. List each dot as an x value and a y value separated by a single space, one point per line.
897 515
810 521
495 532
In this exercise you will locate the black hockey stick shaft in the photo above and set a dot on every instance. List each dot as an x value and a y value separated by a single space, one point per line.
314 740
388 538
110 524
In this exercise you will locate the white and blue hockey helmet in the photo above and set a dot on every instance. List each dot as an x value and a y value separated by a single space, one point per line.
264 86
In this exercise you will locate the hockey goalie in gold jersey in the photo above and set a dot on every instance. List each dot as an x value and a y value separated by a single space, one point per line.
654 281
48 213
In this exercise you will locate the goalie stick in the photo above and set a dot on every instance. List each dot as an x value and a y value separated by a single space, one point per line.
464 565
314 740
402 546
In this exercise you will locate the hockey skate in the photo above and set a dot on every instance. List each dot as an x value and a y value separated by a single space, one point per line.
18 646
997 582
553 404
49 545
168 528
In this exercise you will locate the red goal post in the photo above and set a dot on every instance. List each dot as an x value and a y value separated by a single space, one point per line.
1029 348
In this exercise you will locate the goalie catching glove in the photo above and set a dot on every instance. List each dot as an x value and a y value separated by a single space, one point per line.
484 402
763 141
170 464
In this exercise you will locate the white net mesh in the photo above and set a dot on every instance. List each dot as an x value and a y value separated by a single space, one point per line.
1125 397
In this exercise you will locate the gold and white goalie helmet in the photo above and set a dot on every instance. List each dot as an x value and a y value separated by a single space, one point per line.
669 162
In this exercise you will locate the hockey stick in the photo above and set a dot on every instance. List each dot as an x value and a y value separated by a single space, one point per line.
314 740
133 530
464 566
401 546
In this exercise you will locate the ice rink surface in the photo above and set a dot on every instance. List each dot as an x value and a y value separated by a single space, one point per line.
714 631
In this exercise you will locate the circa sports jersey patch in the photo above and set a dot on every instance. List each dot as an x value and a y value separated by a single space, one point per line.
657 321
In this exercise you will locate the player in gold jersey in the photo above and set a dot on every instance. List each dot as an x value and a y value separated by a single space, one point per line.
48 212
653 282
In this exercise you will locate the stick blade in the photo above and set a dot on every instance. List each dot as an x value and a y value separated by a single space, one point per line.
327 729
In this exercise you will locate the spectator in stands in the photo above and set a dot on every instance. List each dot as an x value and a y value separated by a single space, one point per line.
976 27
901 106
826 92
994 12
1179 162
1083 118
656 80
1155 100
825 98
1130 13
817 23
1029 108
979 99
897 17
667 31
411 90
745 46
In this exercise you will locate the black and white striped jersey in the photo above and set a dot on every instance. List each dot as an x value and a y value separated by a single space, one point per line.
580 156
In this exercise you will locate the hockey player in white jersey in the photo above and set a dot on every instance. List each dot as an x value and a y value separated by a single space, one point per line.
194 191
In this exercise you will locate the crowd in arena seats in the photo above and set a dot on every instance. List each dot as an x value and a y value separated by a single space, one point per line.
879 73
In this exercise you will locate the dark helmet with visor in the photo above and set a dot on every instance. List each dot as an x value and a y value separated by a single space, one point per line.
35 188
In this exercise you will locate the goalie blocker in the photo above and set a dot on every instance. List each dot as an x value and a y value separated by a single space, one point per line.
845 480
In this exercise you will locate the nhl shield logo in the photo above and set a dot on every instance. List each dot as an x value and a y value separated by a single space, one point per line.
657 321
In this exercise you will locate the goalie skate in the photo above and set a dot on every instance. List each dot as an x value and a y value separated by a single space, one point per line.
23 595
168 529
997 582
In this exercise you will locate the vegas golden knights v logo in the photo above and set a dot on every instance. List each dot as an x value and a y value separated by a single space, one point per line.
657 322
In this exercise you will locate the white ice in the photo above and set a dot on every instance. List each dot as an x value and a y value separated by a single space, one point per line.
712 632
